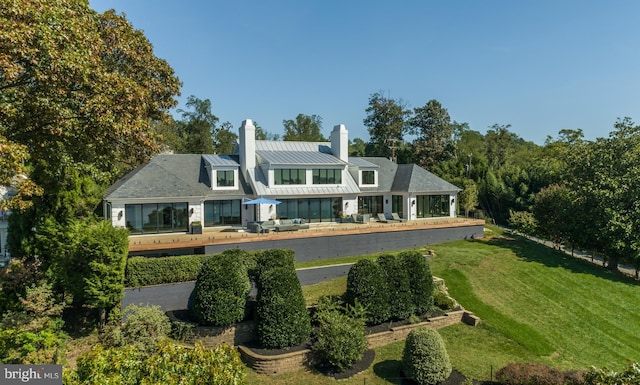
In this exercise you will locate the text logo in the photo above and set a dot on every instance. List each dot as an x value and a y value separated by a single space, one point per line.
31 374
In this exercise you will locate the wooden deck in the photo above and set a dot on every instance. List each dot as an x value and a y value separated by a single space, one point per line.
227 235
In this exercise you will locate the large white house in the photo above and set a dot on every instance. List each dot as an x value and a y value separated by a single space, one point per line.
315 181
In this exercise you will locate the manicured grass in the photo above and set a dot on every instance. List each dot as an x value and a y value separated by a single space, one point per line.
536 304
329 287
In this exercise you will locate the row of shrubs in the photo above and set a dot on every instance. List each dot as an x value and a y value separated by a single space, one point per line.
223 285
143 271
392 287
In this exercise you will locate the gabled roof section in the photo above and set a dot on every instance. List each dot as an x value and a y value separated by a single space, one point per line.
290 146
169 176
415 179
386 172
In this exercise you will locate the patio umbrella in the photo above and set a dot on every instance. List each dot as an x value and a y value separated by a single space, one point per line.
262 201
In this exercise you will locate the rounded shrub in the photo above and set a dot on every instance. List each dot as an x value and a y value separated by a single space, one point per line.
424 358
340 340
367 285
143 328
400 295
221 290
282 319
420 280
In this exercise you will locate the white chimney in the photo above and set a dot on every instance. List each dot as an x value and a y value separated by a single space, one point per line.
247 146
340 142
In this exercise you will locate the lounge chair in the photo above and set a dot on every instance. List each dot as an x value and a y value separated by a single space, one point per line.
396 217
382 218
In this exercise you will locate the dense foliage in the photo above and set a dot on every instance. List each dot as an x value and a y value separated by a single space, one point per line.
401 304
270 258
170 364
32 334
140 326
221 290
424 358
420 280
143 271
366 284
282 318
340 337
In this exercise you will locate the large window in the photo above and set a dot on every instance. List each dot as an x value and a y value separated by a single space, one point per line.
327 176
310 209
368 177
370 205
290 176
432 206
156 217
225 178
222 212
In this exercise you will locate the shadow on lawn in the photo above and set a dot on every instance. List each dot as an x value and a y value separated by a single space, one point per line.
390 370
532 251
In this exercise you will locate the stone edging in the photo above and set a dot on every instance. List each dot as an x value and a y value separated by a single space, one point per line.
287 362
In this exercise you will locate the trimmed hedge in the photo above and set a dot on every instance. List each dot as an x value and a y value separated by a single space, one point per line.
424 358
143 271
221 290
420 280
400 294
282 319
366 285
270 258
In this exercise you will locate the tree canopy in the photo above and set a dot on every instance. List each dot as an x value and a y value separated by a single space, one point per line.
305 128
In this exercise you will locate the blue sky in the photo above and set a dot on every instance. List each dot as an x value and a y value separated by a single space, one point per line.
541 66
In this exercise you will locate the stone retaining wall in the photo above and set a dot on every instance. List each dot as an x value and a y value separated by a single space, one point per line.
283 363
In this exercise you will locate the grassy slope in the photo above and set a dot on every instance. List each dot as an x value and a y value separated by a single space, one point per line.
536 305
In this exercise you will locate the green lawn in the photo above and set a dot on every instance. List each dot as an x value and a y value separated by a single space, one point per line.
536 304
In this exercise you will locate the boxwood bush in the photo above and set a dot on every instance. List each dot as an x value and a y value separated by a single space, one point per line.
424 358
400 295
221 290
367 285
420 280
282 319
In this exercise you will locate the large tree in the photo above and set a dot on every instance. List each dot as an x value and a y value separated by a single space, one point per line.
198 127
79 92
434 130
305 128
386 123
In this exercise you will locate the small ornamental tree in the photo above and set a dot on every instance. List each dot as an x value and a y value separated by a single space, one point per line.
282 319
424 358
400 295
221 290
366 284
420 280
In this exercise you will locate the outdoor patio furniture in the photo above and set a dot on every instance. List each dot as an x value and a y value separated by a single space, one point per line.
396 217
382 218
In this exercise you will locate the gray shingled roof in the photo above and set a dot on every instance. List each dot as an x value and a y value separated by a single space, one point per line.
169 176
414 179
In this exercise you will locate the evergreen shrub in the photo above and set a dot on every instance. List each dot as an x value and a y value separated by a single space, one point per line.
340 340
420 280
425 359
270 258
400 294
282 319
143 328
221 290
366 285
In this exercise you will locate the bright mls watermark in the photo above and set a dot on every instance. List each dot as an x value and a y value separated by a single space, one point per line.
31 374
